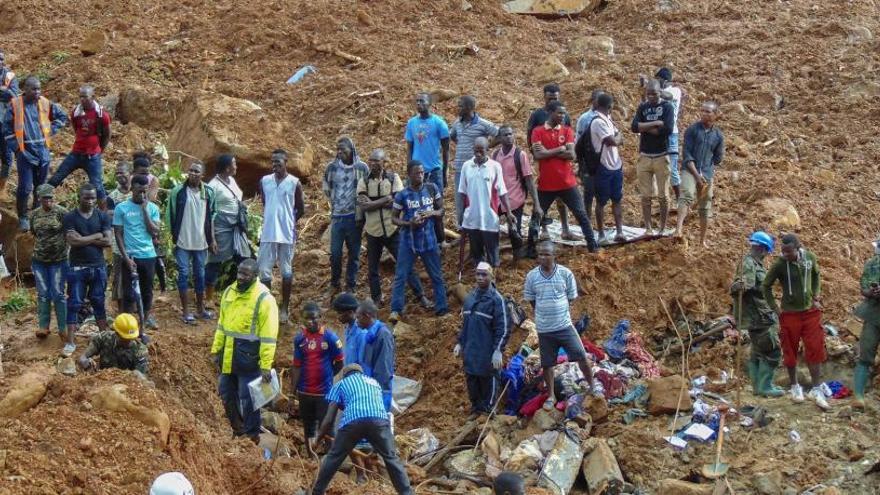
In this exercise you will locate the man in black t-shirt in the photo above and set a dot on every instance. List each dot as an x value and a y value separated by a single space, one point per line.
653 121
87 231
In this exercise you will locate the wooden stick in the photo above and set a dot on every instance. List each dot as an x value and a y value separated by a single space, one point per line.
739 312
683 368
491 413
468 428
339 53
698 339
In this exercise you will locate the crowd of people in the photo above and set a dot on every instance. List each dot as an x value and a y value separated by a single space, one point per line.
579 165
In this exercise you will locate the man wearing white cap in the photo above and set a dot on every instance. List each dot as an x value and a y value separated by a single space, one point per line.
173 483
484 332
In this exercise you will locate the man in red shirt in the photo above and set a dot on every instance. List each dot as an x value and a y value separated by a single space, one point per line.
91 125
553 147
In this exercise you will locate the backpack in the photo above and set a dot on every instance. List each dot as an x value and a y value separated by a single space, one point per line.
588 158
517 163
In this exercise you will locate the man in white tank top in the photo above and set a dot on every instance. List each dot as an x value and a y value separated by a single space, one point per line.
283 206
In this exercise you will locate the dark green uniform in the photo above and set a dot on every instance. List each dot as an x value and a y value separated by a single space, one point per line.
760 320
869 312
106 346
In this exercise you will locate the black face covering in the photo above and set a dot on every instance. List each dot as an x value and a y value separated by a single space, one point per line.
243 287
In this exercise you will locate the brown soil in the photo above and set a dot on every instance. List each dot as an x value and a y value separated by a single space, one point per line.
796 86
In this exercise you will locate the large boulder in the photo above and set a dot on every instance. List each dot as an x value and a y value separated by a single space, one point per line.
210 124
148 108
600 468
781 214
25 393
113 398
93 43
665 394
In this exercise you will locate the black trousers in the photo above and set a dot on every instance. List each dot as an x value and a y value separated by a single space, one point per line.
573 200
146 272
378 433
312 409
484 246
481 392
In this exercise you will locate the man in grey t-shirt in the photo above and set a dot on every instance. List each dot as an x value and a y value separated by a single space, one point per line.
549 288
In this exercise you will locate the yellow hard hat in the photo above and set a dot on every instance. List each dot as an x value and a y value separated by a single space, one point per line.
126 326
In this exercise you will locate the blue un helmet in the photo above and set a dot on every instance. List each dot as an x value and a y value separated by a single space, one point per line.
762 238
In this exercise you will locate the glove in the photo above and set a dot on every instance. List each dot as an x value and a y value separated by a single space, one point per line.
216 359
456 350
386 400
496 360
267 375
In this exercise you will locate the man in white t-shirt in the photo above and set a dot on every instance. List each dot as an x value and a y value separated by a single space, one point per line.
482 190
608 183
675 96
283 206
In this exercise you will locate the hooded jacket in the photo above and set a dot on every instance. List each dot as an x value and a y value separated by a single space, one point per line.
177 205
373 349
484 330
799 280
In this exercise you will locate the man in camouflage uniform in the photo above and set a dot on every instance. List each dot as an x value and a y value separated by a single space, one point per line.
757 317
117 349
869 312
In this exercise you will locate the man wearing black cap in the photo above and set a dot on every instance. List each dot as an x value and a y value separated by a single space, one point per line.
674 95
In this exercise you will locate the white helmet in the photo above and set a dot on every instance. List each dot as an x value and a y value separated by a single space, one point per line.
172 484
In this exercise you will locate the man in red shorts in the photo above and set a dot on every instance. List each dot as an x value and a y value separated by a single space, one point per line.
797 271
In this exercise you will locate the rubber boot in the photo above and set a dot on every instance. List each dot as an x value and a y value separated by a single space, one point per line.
767 388
44 314
234 416
860 380
754 376
61 317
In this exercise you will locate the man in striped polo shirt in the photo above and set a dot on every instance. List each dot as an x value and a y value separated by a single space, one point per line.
363 416
549 287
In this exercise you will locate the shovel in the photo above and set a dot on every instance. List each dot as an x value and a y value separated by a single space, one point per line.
718 468
459 290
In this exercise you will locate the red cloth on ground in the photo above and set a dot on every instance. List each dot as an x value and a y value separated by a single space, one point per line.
532 405
593 349
614 386
635 351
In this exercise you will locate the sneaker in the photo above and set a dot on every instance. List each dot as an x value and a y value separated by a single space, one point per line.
282 317
24 225
826 390
818 396
68 350
797 393
426 303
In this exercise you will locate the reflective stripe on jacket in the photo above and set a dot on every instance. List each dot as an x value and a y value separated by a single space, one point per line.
247 331
44 110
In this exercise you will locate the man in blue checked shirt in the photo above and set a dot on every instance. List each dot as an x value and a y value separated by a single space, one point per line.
363 416
416 208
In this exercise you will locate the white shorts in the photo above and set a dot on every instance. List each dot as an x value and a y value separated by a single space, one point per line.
272 253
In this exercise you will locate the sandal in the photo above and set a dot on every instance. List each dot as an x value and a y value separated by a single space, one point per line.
207 315
189 319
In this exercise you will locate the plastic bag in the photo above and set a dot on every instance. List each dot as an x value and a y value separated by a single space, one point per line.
404 392
262 392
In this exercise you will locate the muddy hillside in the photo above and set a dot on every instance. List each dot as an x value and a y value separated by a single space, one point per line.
796 82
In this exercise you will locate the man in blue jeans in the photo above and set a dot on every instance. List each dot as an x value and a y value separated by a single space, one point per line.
29 124
190 213
87 231
416 208
427 140
346 220
91 126
363 416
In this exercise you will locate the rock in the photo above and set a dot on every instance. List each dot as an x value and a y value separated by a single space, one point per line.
209 124
149 109
26 392
18 248
442 94
829 490
550 70
600 468
546 420
113 398
859 34
664 395
592 46
276 447
678 487
93 43
466 463
597 407
525 457
66 366
466 6
110 103
768 483
562 465
781 214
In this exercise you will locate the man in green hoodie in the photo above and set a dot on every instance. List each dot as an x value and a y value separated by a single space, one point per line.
800 317
755 315
869 312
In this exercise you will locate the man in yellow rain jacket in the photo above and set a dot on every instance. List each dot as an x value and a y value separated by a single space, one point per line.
244 346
